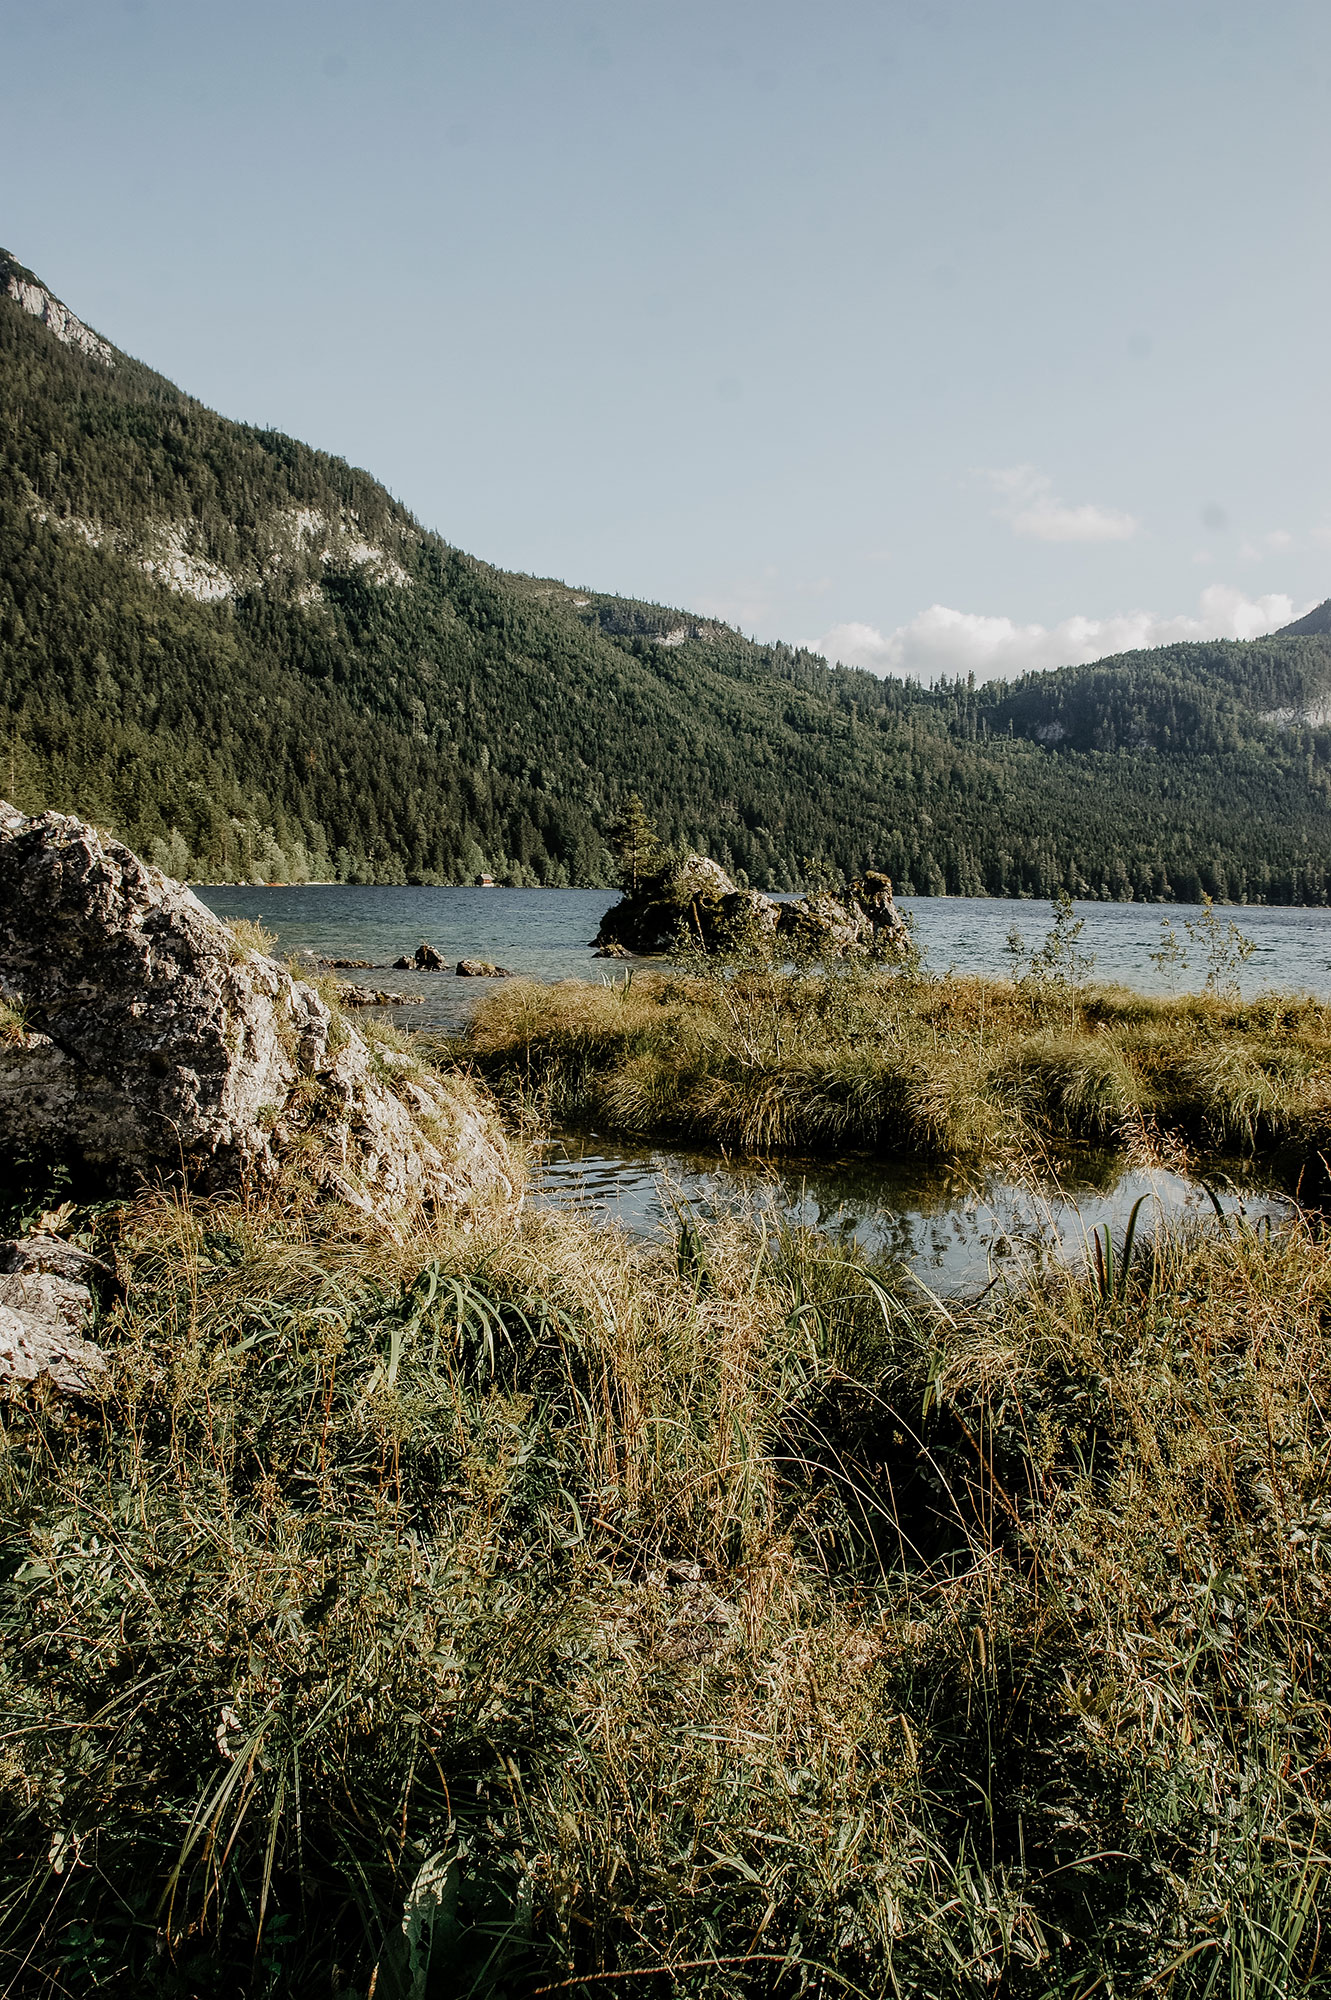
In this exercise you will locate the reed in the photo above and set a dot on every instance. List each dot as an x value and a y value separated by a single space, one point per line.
822 1061
517 1613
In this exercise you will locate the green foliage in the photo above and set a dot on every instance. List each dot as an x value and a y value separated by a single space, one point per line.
1225 950
1058 962
490 1617
636 846
1170 959
1225 947
411 713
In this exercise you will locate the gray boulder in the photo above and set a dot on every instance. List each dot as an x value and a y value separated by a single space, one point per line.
43 1315
694 901
144 1040
23 1256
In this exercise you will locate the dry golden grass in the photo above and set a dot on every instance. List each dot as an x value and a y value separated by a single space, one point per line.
952 1068
518 1613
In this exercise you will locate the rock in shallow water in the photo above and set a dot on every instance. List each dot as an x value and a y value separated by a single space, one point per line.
148 1041
693 902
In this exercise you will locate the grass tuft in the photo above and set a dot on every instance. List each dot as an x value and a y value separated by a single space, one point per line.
515 1612
820 1061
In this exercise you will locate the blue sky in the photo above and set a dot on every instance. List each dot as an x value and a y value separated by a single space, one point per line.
943 336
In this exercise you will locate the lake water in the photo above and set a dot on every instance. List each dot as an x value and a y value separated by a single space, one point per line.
954 1236
546 933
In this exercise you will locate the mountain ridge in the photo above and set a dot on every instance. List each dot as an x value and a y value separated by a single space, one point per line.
247 658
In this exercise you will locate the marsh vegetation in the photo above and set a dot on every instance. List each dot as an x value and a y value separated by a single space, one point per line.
520 1611
826 1061
517 1613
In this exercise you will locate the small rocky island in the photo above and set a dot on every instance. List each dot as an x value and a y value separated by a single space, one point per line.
690 900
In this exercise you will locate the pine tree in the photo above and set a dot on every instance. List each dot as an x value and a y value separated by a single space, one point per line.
635 844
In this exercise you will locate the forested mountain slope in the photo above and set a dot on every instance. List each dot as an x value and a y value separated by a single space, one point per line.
247 659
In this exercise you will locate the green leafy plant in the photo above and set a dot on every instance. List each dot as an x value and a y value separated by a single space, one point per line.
1225 948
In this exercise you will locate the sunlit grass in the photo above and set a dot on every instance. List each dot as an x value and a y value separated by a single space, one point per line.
951 1068
516 1611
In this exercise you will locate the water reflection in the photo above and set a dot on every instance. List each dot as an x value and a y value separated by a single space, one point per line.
956 1234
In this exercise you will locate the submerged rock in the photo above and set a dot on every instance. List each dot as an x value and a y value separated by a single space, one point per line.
694 901
370 996
147 1041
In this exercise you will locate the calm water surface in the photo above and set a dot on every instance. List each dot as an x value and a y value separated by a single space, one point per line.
955 1236
546 933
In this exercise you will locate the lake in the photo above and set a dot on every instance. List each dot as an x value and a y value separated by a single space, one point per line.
954 1236
546 933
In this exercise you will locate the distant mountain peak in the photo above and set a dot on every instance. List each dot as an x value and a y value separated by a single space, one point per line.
29 292
1317 620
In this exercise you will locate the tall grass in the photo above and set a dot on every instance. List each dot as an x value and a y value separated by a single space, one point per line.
821 1061
519 1615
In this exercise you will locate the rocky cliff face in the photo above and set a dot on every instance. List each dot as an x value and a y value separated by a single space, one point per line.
145 1040
24 289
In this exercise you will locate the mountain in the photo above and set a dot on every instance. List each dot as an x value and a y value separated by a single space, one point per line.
247 659
1317 620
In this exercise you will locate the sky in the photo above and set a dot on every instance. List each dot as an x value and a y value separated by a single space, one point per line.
944 337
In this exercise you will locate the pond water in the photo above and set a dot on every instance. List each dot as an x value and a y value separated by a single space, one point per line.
954 1234
546 933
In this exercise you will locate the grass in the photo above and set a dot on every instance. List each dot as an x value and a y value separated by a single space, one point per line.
249 940
515 1614
954 1069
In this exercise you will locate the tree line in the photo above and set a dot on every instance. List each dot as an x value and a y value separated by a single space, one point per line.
417 715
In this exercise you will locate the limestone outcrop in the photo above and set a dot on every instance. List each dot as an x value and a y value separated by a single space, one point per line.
143 1039
694 901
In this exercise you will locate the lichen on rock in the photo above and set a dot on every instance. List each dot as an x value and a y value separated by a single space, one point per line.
153 1043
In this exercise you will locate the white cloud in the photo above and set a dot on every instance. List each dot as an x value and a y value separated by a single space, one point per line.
941 641
1030 507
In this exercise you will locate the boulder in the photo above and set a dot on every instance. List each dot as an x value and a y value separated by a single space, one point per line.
23 1256
146 1041
689 901
693 902
44 1309
481 968
30 1346
424 959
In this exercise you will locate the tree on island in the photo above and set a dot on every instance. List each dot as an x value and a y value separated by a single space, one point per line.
637 847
